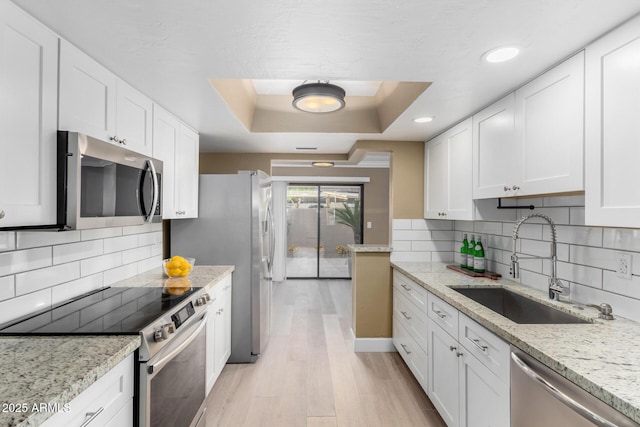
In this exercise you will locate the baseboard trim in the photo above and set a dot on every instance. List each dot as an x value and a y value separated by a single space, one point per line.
372 345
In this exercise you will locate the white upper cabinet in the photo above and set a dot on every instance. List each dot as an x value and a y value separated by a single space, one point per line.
448 174
95 102
612 128
549 126
29 105
178 147
134 119
532 141
493 149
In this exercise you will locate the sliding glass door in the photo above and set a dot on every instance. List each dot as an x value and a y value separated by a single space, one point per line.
321 221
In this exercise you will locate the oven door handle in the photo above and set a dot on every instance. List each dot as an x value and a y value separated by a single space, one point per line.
562 397
154 366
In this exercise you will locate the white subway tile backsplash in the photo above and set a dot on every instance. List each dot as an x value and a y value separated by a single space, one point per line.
418 224
612 283
120 273
625 239
439 224
22 305
442 257
401 245
137 254
149 238
534 280
526 231
35 280
76 251
486 210
582 274
137 229
557 215
485 227
122 243
442 235
152 263
576 216
586 236
622 305
412 235
34 239
100 263
431 246
7 241
543 249
7 287
77 287
411 256
563 201
100 233
595 257
156 226
464 226
24 260
401 224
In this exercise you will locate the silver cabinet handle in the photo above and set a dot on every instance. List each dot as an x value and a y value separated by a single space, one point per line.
506 188
452 348
92 416
404 347
123 141
515 187
405 287
115 139
482 348
440 314
459 354
551 389
1 214
404 313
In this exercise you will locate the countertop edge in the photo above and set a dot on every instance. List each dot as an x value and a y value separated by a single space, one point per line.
596 390
369 248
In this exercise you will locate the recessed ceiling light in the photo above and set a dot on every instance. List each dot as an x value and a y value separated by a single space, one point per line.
423 119
501 54
323 164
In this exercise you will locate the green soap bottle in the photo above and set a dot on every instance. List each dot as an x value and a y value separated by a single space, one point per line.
478 257
463 252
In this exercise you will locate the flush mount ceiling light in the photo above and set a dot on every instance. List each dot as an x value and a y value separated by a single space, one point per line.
501 54
423 119
318 97
323 164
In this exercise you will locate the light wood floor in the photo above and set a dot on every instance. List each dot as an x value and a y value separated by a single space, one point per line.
310 376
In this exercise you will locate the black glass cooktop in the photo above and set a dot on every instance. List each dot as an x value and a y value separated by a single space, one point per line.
111 311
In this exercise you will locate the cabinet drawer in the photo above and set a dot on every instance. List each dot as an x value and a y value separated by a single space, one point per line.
444 315
412 354
412 319
112 392
490 350
414 292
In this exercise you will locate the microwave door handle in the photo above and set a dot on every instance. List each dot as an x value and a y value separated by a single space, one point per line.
154 202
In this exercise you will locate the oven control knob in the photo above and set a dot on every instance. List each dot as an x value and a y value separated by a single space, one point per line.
160 335
171 327
201 301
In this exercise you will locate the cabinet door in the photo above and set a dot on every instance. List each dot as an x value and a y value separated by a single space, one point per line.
459 171
220 356
166 133
612 128
210 368
226 317
549 124
134 119
87 95
493 150
484 399
28 84
186 173
435 176
443 370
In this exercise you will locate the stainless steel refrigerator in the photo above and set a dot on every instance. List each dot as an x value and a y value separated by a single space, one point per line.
235 227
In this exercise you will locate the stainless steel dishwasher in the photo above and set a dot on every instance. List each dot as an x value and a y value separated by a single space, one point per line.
541 397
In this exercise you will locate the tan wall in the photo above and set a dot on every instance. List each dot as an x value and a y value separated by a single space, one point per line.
372 295
376 192
407 174
376 196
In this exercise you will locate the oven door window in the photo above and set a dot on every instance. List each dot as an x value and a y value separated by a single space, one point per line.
110 189
178 390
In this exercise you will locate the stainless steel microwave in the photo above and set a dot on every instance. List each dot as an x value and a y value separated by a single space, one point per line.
104 185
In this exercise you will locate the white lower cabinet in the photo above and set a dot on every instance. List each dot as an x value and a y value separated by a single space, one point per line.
218 347
109 401
463 367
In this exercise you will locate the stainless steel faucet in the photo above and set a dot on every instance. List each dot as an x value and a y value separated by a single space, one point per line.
556 288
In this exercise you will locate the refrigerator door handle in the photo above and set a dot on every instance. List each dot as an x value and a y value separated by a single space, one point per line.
272 237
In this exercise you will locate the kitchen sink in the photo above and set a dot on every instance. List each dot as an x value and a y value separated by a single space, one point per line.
518 308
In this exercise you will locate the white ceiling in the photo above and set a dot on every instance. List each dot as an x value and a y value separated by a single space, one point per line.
168 49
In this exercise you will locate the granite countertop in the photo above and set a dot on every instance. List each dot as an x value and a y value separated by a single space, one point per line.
54 370
369 248
602 357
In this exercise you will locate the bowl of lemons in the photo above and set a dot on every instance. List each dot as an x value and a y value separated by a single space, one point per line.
178 266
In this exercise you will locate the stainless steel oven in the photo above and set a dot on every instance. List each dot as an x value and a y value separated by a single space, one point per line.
173 382
104 185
